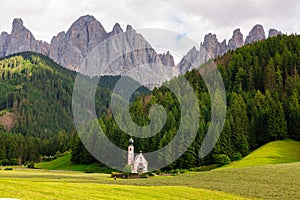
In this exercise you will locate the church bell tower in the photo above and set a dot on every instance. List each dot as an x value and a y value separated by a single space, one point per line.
130 152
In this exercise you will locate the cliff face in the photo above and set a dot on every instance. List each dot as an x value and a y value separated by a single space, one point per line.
167 59
69 49
237 40
257 33
273 32
4 40
20 39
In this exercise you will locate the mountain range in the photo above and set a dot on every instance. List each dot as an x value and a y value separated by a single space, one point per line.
71 48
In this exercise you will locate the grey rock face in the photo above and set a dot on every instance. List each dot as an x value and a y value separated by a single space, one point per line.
128 54
21 39
257 33
274 33
58 47
44 47
223 48
211 45
211 48
116 29
4 40
193 59
69 49
237 40
121 52
128 28
167 59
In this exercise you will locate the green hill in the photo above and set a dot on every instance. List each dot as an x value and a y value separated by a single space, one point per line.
285 151
64 163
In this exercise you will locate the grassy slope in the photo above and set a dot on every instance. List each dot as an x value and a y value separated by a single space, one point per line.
64 163
286 151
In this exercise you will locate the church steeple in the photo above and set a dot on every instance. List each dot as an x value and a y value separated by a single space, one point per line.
130 152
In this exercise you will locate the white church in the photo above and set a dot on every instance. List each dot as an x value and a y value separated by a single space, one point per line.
138 164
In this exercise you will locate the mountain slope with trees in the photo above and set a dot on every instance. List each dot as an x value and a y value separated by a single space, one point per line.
37 92
263 87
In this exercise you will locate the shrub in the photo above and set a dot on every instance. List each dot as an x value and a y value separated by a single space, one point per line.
150 174
8 168
13 162
222 160
5 162
31 165
127 169
237 156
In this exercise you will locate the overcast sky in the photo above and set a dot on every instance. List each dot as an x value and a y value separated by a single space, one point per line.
191 17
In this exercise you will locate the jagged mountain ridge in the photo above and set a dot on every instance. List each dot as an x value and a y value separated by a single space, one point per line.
214 48
66 48
70 48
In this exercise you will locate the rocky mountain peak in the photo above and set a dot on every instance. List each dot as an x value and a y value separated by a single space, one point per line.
70 48
128 28
189 61
211 44
21 39
4 39
167 59
223 48
237 40
86 29
273 32
18 24
117 29
257 33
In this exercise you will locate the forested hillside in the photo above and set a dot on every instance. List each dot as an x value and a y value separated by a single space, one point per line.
263 88
35 106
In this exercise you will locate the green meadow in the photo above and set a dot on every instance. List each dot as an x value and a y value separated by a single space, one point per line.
270 172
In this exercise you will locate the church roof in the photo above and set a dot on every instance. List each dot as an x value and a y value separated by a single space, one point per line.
139 155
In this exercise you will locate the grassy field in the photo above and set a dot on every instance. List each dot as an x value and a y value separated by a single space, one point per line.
240 180
277 181
41 184
286 151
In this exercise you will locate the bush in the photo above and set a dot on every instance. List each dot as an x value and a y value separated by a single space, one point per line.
8 168
13 162
237 156
150 174
222 160
31 165
127 169
5 162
